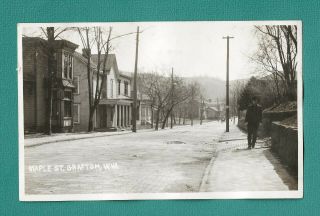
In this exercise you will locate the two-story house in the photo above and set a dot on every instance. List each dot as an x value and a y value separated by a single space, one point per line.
115 106
35 85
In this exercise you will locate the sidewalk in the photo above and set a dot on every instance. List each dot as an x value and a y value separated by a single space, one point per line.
35 140
236 168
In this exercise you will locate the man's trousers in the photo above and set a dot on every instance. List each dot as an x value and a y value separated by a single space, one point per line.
252 134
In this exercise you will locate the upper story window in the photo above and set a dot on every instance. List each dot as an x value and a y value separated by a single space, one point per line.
126 84
119 87
67 66
111 86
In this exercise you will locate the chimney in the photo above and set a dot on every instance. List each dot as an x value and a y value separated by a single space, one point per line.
86 52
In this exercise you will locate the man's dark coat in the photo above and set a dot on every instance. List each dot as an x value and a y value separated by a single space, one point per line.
254 115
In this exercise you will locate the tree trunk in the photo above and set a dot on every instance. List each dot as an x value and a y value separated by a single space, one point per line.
157 119
191 118
51 73
165 122
90 125
152 117
201 116
184 119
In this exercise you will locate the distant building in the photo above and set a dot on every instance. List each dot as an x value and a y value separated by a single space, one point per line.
212 113
214 110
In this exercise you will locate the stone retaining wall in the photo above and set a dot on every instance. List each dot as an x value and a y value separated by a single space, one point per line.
268 117
285 144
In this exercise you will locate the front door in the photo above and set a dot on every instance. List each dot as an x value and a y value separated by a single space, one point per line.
102 116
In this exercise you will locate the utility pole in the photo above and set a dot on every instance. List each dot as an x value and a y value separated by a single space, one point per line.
51 74
172 90
227 85
134 108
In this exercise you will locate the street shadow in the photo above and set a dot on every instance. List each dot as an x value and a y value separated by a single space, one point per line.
285 176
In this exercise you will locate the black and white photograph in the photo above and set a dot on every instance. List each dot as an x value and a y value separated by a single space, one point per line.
160 110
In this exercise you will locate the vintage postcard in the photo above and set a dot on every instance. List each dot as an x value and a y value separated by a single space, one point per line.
160 110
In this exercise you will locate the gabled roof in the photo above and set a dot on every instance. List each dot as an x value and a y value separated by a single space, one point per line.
213 108
83 59
128 75
111 61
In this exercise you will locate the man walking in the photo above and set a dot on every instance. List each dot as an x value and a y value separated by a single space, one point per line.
253 118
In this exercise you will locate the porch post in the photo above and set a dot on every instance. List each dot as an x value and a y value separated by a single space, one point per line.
121 119
130 123
125 116
115 116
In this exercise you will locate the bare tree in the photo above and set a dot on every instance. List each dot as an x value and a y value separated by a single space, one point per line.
202 107
94 37
178 93
277 55
194 95
155 87
236 88
159 89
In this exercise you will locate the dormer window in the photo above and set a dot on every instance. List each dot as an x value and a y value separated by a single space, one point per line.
67 66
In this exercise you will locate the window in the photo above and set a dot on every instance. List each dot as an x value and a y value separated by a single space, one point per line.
111 86
126 88
70 67
76 113
76 83
67 104
119 87
67 95
67 108
67 66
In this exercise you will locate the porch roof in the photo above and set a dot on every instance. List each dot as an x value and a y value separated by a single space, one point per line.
116 101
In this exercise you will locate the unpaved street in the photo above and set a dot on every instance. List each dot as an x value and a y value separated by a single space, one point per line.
148 161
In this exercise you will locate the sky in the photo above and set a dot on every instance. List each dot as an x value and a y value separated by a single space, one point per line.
190 48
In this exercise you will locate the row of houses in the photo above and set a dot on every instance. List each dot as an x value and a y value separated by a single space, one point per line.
70 102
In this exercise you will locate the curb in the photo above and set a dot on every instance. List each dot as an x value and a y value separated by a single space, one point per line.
205 178
72 139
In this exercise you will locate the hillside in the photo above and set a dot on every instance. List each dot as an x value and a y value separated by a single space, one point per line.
212 87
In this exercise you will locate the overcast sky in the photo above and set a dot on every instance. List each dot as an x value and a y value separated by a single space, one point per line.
191 48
